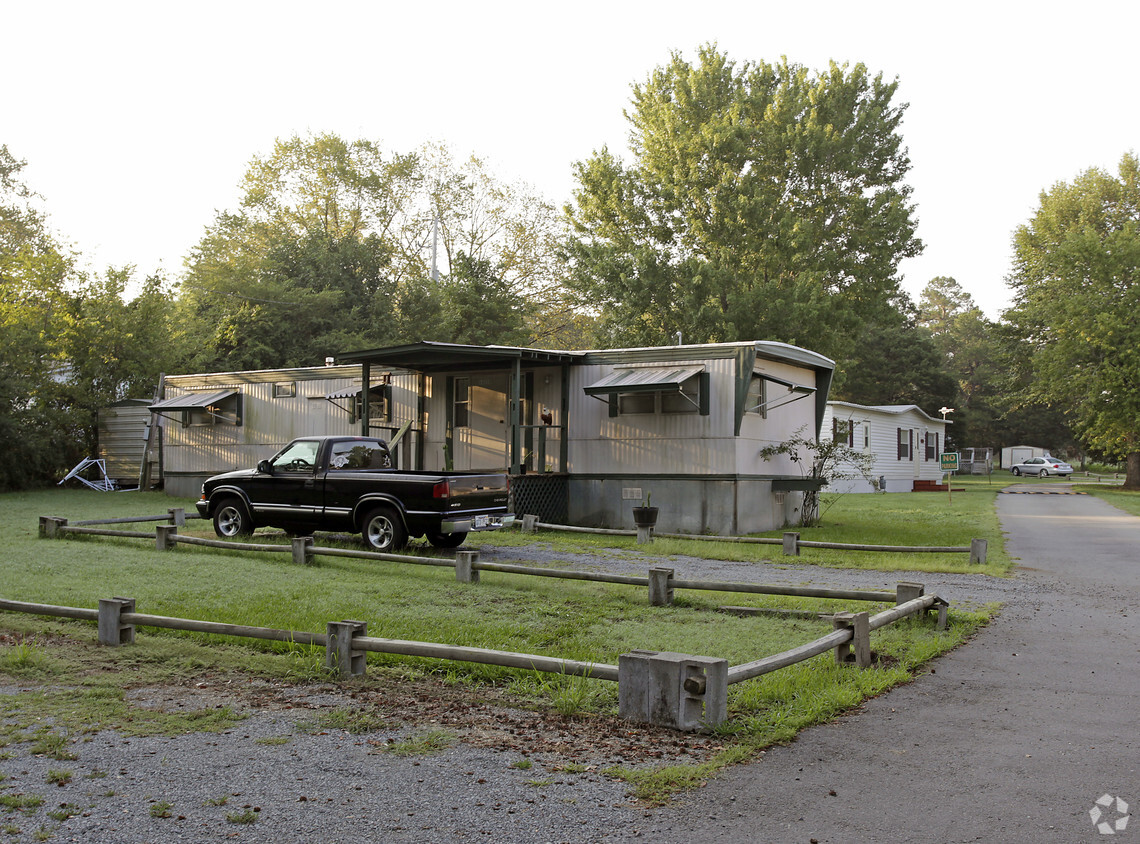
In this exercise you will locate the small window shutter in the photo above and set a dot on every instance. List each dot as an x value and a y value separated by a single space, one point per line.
910 444
899 441
850 433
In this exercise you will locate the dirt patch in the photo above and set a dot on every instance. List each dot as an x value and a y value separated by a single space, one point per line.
482 717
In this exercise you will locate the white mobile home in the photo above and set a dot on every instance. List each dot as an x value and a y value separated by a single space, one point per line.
585 436
904 440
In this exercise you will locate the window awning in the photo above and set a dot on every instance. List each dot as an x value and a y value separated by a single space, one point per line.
192 401
645 379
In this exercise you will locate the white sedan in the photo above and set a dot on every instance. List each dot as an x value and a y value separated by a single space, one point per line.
1042 467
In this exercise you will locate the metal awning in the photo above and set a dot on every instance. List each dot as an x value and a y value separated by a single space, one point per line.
192 401
431 356
795 392
644 379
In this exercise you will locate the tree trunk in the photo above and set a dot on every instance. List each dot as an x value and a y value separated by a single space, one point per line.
1132 477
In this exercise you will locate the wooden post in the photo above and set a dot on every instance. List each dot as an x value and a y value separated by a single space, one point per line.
943 615
978 549
528 523
660 587
340 656
791 544
164 537
111 630
177 516
303 550
50 527
465 571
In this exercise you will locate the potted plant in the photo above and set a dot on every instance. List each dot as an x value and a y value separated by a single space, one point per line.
646 514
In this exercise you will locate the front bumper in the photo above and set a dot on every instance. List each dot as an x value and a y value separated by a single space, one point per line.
203 508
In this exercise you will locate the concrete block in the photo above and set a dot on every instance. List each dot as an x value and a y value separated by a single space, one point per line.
791 544
674 690
660 587
340 656
465 571
112 631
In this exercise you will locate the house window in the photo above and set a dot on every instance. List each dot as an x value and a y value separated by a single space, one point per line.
378 405
285 390
461 410
226 411
843 431
758 397
906 441
867 436
931 446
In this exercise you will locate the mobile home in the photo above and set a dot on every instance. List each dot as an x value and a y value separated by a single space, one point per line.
904 441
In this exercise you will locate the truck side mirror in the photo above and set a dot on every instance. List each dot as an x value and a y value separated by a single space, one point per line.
265 467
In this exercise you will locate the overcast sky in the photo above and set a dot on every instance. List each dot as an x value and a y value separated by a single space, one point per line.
138 120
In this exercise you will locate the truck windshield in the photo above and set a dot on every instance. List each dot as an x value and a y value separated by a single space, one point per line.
300 456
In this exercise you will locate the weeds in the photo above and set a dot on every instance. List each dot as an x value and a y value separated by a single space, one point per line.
161 809
423 744
246 816
60 778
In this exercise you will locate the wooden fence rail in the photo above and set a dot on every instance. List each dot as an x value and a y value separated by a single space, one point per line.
791 542
669 689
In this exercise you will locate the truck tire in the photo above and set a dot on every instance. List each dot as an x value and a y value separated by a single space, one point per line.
446 540
382 530
231 519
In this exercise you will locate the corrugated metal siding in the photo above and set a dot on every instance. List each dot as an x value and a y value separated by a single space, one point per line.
122 440
269 422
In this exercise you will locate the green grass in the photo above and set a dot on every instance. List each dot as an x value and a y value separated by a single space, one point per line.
79 688
1126 500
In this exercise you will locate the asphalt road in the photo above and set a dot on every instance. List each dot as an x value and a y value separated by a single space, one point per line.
1012 738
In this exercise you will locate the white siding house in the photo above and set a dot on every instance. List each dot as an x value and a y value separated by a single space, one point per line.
904 440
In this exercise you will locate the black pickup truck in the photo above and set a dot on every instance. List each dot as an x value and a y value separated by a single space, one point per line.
348 484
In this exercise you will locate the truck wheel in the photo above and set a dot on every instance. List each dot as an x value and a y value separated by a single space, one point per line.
446 540
383 531
231 519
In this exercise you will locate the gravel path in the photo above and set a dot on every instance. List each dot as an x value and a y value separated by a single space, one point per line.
292 783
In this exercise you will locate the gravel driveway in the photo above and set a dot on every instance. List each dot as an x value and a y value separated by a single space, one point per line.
276 779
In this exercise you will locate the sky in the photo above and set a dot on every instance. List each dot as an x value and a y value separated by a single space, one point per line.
138 119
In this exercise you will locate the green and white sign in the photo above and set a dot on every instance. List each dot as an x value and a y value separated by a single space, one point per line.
948 461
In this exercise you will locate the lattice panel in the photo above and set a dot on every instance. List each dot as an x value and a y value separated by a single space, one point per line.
544 496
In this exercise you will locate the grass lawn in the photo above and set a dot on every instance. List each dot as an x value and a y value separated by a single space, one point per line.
570 619
910 519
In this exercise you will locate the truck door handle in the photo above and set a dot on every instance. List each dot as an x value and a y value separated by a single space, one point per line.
308 484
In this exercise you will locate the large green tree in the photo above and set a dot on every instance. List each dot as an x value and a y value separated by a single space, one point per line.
338 246
1076 296
37 436
895 361
761 202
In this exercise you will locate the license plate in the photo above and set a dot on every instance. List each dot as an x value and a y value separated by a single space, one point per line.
481 521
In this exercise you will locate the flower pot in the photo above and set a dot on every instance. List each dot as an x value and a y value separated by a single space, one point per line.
645 516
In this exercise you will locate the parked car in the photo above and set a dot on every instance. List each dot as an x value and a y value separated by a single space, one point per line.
348 484
1042 467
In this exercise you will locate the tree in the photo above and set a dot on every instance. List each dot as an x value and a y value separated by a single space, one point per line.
338 246
1076 296
479 307
823 461
895 361
762 202
34 273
